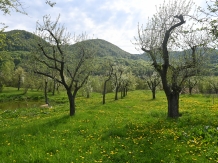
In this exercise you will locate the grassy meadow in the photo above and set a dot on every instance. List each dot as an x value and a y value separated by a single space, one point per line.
131 130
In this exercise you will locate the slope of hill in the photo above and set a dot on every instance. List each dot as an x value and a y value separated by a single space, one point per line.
20 40
105 48
20 43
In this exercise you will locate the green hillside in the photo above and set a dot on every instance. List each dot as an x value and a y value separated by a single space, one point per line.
20 44
20 40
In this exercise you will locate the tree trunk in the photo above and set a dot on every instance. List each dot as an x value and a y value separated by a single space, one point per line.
190 90
116 93
153 93
57 87
121 93
104 92
71 99
19 83
173 105
87 94
53 90
45 92
124 92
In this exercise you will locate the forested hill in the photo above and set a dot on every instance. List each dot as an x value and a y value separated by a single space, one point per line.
20 40
20 44
105 48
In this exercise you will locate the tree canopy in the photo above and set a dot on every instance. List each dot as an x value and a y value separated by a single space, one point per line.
170 29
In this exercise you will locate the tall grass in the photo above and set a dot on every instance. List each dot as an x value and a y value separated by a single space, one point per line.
133 129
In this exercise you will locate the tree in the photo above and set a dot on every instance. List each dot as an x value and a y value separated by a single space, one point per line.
168 30
73 67
211 16
108 76
7 5
6 70
191 83
153 80
213 84
118 71
88 88
127 83
19 77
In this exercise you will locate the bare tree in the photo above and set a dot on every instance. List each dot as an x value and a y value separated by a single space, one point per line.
127 82
108 76
168 31
153 80
191 83
118 71
73 68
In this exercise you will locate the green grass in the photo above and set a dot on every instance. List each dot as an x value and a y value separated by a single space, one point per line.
133 129
12 94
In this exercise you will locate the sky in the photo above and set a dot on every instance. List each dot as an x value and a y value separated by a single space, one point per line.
115 21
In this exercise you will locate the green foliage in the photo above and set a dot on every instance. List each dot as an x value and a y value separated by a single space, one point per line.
6 69
208 85
131 130
2 40
10 94
20 40
7 5
20 43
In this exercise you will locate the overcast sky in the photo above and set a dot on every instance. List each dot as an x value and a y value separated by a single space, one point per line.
112 20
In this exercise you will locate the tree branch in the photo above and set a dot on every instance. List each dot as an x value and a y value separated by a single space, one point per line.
166 38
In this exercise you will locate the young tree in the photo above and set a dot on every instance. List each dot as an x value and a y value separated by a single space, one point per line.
191 83
167 30
107 76
118 71
153 80
87 88
19 77
128 82
73 67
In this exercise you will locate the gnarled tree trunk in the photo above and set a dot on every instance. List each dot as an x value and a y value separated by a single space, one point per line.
153 93
173 105
71 99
